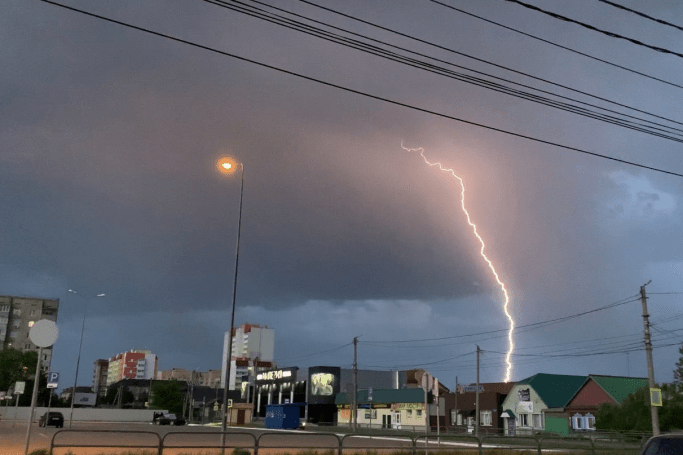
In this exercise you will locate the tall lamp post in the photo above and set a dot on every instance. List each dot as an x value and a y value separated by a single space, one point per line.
228 166
80 345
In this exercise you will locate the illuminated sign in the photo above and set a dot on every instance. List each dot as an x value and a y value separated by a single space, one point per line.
282 375
322 384
402 406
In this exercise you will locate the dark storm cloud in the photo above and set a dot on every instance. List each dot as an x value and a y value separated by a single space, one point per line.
110 136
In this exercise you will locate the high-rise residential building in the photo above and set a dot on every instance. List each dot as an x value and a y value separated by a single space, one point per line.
250 342
133 364
17 316
99 377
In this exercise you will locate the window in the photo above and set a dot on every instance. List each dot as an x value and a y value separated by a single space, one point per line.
577 422
418 413
485 417
453 416
17 312
4 309
371 415
523 420
590 422
13 334
16 324
409 413
33 312
4 320
27 346
458 419
537 421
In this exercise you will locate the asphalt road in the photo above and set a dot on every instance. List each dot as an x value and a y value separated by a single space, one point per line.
128 437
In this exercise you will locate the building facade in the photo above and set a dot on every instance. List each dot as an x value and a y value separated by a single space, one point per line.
461 406
17 316
250 343
99 377
133 364
211 378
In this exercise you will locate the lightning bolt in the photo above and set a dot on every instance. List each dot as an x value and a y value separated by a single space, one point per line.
506 304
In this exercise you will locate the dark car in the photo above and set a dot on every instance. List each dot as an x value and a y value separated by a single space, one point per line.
664 444
53 418
161 418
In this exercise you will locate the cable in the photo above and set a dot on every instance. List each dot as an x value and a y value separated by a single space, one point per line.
306 356
584 354
642 14
534 324
555 44
590 27
357 92
240 7
308 2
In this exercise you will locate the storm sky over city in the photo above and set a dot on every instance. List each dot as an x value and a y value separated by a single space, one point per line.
110 135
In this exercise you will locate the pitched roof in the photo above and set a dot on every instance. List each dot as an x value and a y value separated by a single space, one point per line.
555 389
619 387
411 395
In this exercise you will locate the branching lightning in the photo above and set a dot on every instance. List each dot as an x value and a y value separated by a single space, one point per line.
506 304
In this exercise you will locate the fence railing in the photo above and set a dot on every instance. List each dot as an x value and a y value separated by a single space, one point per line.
340 444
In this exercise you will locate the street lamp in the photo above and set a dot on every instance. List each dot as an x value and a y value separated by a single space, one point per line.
78 361
228 166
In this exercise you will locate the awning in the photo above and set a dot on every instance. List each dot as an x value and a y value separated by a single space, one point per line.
508 414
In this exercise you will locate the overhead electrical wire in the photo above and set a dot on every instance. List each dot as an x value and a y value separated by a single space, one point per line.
314 354
368 95
555 44
595 29
259 13
533 324
398 33
663 22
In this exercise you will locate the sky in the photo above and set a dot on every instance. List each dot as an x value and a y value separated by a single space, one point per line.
108 184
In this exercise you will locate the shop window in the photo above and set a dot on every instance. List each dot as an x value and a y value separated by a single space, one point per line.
485 418
409 413
371 415
523 420
537 420
418 413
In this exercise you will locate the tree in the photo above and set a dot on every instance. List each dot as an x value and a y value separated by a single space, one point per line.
678 372
167 395
632 415
16 365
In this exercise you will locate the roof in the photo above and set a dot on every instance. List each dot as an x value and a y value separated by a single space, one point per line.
619 387
412 395
555 389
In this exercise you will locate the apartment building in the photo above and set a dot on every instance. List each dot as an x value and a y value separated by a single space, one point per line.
253 347
133 364
17 316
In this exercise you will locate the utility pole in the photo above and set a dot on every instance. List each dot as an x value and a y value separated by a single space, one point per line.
353 421
476 416
650 365
455 424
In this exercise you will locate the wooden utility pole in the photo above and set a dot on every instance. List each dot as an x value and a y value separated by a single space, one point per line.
354 409
650 365
476 416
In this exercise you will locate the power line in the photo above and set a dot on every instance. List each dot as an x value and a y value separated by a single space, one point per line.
240 7
556 45
315 354
419 40
642 14
368 95
590 27
534 324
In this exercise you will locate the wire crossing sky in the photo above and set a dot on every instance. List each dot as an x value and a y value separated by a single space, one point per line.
511 345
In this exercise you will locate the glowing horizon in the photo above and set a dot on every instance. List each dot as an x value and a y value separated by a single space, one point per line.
511 345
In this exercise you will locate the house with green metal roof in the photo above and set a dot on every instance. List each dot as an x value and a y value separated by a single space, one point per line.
386 408
563 404
578 415
524 409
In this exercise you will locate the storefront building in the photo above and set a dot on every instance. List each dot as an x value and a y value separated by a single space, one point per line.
385 408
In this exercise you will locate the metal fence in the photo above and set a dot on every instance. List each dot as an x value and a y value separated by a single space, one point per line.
176 442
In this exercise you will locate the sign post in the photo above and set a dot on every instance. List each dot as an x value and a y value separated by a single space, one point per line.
370 400
43 334
18 390
52 383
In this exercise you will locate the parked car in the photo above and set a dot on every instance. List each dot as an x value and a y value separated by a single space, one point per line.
54 418
664 444
161 418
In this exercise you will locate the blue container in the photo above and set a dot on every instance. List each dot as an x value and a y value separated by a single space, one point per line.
284 416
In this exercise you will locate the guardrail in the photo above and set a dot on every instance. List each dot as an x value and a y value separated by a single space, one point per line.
343 443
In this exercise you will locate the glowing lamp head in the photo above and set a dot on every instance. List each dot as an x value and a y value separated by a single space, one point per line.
227 165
